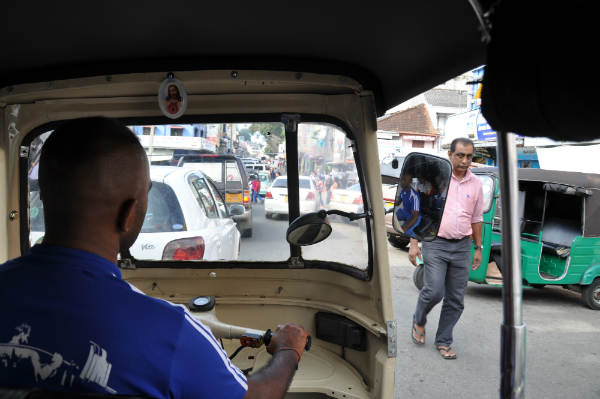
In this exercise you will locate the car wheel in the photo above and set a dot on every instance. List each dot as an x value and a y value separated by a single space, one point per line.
538 286
247 233
590 295
268 215
400 244
418 277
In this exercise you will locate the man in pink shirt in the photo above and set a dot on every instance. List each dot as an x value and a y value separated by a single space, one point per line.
447 258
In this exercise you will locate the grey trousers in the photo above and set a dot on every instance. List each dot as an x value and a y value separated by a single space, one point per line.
446 274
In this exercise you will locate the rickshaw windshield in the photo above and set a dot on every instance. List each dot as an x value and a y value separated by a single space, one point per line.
326 163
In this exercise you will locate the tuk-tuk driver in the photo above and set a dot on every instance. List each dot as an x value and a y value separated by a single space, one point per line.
87 330
447 258
410 211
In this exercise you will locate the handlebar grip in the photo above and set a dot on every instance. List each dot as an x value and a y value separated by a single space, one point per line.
269 334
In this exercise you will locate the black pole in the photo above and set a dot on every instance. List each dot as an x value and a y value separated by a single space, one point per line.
290 123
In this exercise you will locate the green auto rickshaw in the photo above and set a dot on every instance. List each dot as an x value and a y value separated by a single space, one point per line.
560 231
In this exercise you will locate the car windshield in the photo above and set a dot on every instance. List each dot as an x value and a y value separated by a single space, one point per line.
212 167
197 178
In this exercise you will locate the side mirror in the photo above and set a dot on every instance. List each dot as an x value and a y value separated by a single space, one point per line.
309 229
421 196
236 210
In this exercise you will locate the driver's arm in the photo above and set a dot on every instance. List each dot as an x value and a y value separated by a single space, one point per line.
273 380
199 368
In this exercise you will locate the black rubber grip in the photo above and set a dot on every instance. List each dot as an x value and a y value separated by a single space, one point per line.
269 334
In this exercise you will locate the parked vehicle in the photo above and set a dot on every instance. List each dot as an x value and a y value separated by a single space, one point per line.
257 167
229 175
559 225
187 219
348 200
277 201
265 183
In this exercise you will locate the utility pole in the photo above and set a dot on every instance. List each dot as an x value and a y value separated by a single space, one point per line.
151 147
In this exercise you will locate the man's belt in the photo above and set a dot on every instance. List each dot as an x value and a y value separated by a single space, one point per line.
452 239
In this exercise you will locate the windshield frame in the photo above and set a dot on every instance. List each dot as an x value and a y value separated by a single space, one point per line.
361 274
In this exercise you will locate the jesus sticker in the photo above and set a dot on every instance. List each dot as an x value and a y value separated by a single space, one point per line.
172 98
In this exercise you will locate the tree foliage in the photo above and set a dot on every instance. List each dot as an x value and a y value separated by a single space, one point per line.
276 129
245 134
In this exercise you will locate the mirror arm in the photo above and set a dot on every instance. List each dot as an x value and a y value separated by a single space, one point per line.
350 215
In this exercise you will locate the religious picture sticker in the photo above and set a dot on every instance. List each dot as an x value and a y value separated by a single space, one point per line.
172 98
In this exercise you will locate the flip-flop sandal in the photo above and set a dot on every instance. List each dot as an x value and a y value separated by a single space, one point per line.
447 351
416 341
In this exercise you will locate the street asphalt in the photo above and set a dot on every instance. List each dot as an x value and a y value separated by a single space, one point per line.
562 335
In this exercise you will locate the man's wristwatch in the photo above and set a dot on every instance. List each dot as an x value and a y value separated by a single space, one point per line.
478 247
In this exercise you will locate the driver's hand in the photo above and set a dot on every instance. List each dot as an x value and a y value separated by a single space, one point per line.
289 336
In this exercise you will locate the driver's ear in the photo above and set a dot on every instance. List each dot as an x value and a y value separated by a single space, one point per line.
126 217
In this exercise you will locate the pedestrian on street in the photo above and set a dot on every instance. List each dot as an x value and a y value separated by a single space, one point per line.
313 177
255 184
334 186
320 189
446 260
272 174
257 192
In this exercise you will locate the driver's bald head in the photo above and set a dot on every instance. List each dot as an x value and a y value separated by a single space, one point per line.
88 167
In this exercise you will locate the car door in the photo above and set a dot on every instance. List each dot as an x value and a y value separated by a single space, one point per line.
231 243
213 230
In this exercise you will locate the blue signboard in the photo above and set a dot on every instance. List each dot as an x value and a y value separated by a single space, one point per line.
485 131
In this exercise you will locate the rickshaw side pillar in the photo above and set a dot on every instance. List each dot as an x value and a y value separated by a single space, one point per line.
512 367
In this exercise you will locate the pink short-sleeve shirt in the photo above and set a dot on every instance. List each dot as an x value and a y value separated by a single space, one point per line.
464 207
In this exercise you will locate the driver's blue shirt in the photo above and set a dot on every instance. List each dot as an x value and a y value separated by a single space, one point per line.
410 202
69 322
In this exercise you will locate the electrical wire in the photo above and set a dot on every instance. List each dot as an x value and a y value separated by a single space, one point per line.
236 352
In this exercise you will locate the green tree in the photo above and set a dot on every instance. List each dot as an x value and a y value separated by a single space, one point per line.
276 129
273 142
245 134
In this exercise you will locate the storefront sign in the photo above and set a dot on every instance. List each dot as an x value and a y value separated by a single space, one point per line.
178 142
421 138
485 131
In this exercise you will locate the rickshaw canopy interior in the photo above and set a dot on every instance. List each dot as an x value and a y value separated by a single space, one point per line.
587 181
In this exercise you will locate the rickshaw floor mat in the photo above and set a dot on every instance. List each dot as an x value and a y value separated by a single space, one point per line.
549 276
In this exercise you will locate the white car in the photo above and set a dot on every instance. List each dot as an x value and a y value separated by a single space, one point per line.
276 200
348 200
186 219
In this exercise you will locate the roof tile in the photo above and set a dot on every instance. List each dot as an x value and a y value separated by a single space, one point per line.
413 120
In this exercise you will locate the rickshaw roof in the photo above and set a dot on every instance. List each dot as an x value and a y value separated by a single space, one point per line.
577 179
396 49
